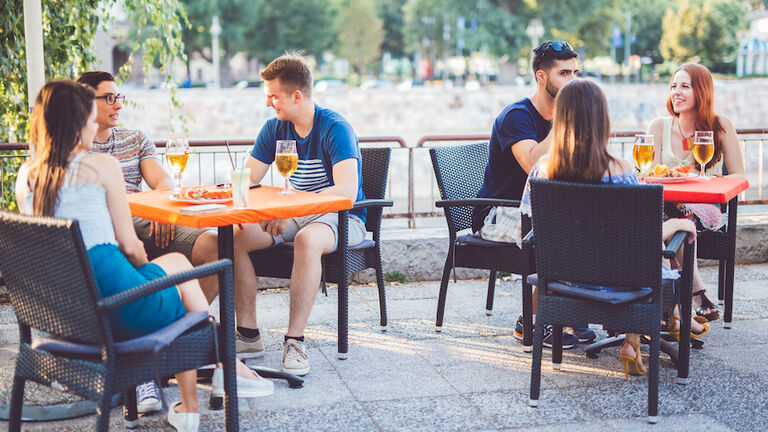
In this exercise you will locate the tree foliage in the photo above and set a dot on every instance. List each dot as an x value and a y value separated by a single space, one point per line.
305 25
360 33
704 31
391 14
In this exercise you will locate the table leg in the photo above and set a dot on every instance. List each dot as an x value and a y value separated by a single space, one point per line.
227 319
730 262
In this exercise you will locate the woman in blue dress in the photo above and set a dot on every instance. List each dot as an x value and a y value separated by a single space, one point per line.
64 180
579 153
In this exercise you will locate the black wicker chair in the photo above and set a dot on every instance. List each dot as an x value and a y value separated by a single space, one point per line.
459 174
603 235
339 265
52 289
720 245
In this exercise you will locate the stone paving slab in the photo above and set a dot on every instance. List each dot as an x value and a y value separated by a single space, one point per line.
473 375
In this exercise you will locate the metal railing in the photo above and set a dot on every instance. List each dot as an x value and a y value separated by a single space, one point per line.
415 161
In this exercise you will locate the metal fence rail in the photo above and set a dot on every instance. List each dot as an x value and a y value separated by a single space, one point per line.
411 182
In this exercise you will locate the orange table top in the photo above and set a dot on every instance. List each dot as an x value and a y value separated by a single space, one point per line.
717 190
264 204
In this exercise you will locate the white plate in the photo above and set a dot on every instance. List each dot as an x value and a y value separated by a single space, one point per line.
690 176
200 201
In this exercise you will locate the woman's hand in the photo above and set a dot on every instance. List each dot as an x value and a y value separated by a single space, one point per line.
672 226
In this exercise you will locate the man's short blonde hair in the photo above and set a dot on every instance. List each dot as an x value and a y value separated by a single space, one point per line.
292 71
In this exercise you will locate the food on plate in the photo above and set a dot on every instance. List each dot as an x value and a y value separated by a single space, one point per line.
207 194
662 170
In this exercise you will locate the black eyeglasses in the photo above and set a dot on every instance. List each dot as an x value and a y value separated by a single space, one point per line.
556 46
110 99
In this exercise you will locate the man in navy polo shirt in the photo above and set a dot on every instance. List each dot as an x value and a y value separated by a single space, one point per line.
329 163
520 136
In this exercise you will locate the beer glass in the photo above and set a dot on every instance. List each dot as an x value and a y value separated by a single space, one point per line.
286 160
703 150
642 153
177 154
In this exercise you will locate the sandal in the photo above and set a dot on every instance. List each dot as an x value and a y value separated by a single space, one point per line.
674 328
706 304
632 364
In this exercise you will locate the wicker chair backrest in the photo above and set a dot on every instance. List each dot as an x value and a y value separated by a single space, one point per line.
597 234
459 171
375 171
49 279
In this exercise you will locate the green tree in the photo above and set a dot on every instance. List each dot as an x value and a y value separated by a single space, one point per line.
702 31
646 26
391 14
305 25
359 32
69 28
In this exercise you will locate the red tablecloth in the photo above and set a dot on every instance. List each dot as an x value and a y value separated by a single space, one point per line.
715 191
264 204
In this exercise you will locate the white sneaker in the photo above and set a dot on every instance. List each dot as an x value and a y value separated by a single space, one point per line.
147 399
183 422
248 388
295 361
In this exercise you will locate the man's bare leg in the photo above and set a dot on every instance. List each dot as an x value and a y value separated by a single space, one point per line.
250 238
204 251
310 244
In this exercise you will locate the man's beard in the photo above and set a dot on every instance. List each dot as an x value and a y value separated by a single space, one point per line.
552 90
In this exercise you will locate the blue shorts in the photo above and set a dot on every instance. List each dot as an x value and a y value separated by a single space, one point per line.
115 274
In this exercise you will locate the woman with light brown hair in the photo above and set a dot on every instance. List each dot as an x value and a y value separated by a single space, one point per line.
579 153
691 107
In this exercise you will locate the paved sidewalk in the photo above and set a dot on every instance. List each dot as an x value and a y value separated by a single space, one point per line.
474 375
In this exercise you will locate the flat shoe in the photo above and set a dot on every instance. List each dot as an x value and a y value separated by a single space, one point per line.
248 388
183 422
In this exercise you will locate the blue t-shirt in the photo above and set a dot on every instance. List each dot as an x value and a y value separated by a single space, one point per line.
504 177
330 141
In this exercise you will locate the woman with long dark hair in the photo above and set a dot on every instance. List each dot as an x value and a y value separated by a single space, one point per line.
691 107
579 153
66 181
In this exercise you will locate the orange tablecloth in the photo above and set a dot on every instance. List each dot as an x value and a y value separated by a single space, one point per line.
715 191
264 204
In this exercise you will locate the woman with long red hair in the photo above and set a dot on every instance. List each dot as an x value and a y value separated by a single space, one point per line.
691 108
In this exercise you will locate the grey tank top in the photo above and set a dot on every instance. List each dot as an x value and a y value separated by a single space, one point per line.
86 203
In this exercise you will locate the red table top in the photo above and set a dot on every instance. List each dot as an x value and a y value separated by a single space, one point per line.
264 204
718 190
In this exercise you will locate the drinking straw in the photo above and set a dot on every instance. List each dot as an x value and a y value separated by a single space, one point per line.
232 161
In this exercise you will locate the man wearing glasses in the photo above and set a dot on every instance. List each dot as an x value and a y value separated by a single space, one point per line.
139 161
520 136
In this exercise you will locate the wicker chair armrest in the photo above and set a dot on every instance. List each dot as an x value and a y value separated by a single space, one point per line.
528 240
675 244
491 202
143 290
372 203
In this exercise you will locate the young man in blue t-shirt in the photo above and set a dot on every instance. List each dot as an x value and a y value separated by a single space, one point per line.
329 163
520 136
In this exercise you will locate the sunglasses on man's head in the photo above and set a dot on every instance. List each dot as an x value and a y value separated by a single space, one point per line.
110 99
556 46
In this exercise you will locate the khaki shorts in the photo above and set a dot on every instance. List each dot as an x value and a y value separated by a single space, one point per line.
182 242
355 228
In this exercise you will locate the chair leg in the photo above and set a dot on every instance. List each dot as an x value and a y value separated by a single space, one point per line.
491 291
443 292
721 281
536 366
527 315
343 317
653 379
17 404
105 405
557 346
382 296
130 409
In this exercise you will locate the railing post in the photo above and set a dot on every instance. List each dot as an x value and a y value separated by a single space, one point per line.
411 210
